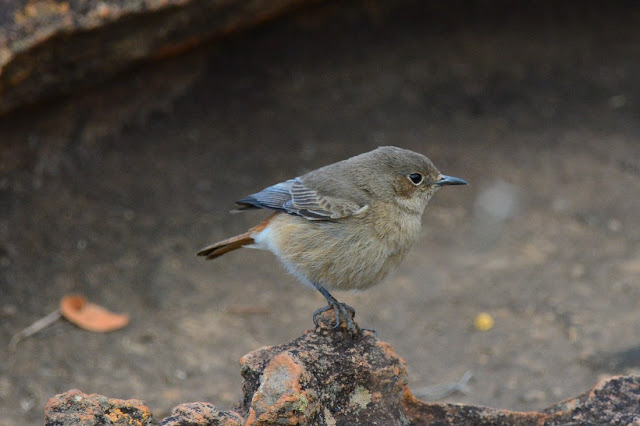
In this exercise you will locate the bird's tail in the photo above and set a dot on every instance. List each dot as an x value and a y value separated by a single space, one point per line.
230 244
225 246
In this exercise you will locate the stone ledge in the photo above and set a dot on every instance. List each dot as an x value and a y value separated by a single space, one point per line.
50 48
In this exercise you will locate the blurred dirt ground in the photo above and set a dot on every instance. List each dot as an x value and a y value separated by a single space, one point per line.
111 192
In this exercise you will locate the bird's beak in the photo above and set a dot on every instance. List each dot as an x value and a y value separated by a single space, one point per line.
450 180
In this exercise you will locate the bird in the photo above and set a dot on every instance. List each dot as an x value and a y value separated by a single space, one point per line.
344 226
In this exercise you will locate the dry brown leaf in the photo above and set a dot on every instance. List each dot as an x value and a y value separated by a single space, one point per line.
90 316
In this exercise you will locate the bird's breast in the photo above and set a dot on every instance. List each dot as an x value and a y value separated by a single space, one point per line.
355 253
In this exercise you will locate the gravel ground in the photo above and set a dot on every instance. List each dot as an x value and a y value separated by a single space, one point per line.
110 193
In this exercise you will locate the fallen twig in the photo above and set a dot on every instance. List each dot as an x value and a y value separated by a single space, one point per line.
37 326
442 390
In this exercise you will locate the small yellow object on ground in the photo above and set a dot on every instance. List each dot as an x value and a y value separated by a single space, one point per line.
483 322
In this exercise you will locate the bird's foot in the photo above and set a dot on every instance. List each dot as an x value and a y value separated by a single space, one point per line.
343 313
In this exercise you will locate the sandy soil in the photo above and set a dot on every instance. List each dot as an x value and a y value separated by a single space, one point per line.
110 194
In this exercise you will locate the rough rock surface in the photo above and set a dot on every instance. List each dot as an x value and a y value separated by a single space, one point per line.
329 377
201 413
49 48
74 408
326 376
614 401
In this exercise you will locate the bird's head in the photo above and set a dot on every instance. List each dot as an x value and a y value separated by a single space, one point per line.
408 178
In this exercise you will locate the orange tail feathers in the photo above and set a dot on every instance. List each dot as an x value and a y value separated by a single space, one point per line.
230 244
225 246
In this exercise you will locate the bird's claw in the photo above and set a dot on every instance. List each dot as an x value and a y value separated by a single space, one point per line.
342 312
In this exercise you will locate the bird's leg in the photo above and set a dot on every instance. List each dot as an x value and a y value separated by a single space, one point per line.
341 310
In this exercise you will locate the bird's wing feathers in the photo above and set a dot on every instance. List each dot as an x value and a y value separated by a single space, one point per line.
273 197
309 203
294 197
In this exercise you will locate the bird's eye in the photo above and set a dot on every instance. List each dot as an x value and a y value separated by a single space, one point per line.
416 178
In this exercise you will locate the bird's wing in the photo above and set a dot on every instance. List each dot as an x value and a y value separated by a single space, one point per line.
294 197
273 197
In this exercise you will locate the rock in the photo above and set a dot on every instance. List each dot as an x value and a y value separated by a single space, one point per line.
49 48
613 401
423 413
329 377
74 408
326 377
201 413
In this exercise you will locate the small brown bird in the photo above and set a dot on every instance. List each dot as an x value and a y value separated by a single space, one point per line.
344 226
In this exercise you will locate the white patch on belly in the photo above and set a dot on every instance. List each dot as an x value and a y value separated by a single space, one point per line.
267 240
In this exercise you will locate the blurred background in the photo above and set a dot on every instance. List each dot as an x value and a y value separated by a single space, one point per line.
126 136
